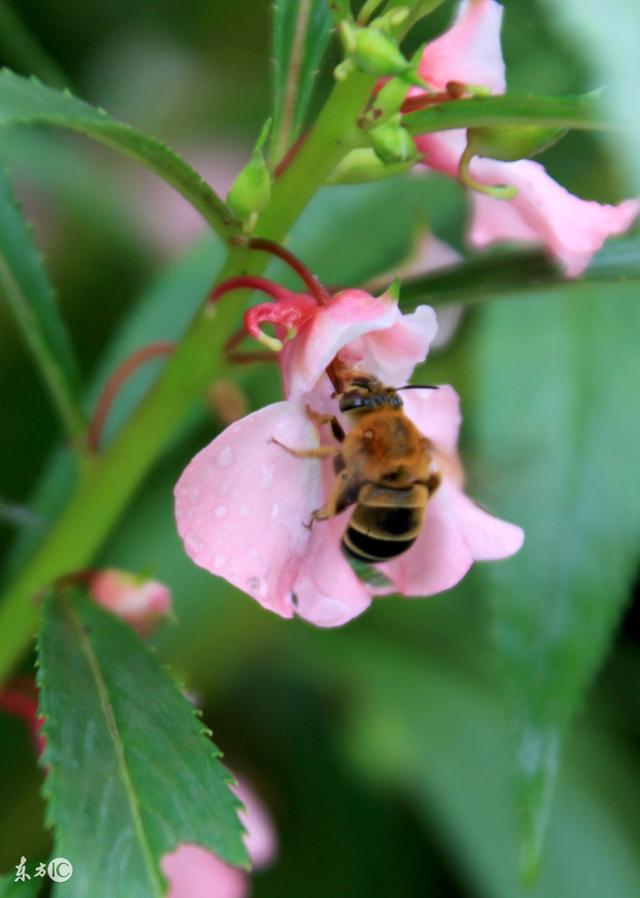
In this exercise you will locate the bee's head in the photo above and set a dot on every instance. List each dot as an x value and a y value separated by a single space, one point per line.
365 394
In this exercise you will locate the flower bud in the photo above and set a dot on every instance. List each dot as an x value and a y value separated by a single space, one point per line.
251 191
373 52
511 142
363 165
393 143
139 601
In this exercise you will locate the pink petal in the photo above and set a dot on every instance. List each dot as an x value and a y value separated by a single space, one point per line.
488 538
392 354
436 414
141 603
439 558
242 502
194 872
469 51
349 315
260 835
328 592
442 151
571 229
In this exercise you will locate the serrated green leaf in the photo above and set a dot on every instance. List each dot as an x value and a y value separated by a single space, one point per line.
300 35
493 275
9 888
131 771
556 408
26 101
26 289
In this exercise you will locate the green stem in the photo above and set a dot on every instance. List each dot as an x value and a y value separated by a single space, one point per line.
102 495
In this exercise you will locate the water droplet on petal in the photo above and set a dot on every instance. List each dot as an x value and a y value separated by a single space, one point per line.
226 457
254 584
266 477
244 510
253 553
220 511
275 509
193 494
219 560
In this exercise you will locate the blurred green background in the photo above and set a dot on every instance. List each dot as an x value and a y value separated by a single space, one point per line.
381 749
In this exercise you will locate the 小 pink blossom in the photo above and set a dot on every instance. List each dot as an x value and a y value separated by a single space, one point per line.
542 212
141 602
243 504
194 872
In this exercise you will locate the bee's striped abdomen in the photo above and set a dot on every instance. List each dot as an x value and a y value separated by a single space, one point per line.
385 522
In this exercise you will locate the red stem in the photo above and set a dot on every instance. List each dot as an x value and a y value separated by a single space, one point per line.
115 382
315 287
290 155
250 282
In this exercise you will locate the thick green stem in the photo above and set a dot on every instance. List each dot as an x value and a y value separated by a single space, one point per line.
102 495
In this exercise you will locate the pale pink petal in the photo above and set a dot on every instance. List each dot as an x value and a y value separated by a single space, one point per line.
260 835
194 872
488 538
570 228
346 317
392 354
328 592
442 151
242 503
436 414
469 51
141 603
439 558
542 212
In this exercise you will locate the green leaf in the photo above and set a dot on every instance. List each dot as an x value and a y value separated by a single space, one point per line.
301 30
26 101
476 112
555 406
9 888
498 274
21 47
437 733
28 293
130 767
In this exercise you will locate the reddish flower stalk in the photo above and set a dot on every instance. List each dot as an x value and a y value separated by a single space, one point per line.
20 699
115 382
315 287
249 282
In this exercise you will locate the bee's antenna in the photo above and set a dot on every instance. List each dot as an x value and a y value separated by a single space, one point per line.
417 387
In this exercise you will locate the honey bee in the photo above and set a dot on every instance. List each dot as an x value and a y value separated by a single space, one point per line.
383 465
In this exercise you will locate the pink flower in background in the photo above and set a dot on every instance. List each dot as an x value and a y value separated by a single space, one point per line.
571 229
194 872
141 602
243 503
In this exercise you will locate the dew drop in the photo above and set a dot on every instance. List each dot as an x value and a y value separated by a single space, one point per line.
225 487
254 584
226 457
266 477
253 553
219 560
244 510
193 494
220 511
274 510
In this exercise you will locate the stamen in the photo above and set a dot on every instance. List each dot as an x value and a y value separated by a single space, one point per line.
115 382
315 287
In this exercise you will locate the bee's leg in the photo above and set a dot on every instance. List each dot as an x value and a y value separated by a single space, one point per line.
318 419
344 492
317 452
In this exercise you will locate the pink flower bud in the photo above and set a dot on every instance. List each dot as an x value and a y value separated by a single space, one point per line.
139 601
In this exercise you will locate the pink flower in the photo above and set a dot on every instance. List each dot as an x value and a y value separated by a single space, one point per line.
243 503
571 229
140 602
194 872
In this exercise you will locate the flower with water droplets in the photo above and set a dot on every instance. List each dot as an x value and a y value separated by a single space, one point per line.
542 211
262 542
